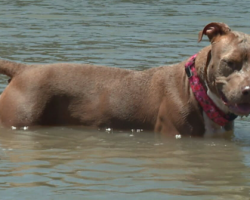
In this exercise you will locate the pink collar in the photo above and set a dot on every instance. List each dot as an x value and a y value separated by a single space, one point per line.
200 93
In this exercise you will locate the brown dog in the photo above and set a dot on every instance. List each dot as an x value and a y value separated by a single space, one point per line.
158 99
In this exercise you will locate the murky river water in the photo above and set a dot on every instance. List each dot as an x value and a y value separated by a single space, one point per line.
79 163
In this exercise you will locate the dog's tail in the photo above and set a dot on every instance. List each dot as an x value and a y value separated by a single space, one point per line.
11 68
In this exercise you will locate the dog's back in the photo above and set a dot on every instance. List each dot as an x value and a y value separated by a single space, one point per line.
76 94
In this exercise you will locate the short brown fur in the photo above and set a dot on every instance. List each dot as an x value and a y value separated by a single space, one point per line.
158 99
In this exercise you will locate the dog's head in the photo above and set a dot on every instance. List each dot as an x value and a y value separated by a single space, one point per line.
227 70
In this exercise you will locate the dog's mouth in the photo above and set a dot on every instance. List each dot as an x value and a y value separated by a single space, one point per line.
241 109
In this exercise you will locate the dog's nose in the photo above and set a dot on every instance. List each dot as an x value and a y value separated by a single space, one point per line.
246 90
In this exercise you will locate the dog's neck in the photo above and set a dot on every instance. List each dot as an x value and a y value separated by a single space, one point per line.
217 101
211 106
202 57
213 129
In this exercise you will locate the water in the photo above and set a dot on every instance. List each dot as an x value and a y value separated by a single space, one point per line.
80 163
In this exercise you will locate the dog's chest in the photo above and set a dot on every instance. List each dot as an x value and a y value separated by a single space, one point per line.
211 128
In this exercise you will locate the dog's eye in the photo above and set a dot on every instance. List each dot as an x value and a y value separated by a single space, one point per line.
228 67
231 64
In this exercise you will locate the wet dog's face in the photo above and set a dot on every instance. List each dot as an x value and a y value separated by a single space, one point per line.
228 71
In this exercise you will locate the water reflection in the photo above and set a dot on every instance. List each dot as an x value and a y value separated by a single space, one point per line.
87 162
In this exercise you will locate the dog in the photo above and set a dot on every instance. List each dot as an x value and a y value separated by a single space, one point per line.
200 96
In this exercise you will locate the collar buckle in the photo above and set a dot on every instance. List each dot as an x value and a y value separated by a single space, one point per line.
188 72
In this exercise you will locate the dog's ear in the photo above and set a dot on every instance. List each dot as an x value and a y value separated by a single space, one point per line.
213 30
